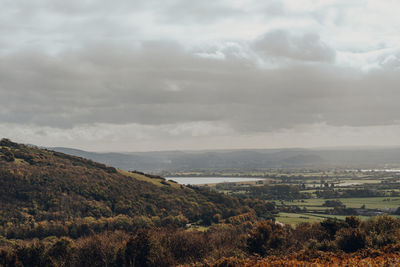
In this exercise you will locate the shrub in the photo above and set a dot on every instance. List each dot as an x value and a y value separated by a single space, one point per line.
353 221
266 236
351 240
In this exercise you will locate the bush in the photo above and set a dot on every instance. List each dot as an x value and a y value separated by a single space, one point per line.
333 203
353 221
145 250
331 226
351 240
266 236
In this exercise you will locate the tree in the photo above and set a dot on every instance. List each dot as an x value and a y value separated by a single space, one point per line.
353 221
266 235
351 239
331 226
145 250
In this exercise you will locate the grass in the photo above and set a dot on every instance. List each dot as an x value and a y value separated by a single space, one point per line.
373 202
155 181
20 161
295 218
362 181
315 205
369 202
318 208
198 228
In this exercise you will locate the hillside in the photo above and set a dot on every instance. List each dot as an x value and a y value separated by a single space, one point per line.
62 210
40 185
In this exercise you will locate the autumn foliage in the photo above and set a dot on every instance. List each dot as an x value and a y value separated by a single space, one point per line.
60 210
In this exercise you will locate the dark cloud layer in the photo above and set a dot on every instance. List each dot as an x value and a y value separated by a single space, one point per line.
282 44
161 82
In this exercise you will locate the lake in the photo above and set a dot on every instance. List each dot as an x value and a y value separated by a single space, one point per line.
211 180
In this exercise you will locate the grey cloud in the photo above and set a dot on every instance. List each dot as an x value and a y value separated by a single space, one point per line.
198 11
164 68
206 12
391 61
58 24
122 84
304 47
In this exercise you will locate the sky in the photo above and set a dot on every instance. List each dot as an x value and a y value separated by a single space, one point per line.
149 75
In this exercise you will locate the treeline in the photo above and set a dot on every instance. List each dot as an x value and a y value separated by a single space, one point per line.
145 247
264 192
359 192
220 245
276 192
88 226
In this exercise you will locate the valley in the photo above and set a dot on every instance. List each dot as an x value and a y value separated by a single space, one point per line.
63 210
378 191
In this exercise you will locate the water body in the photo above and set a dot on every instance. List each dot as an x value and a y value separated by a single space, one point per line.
211 180
382 170
347 184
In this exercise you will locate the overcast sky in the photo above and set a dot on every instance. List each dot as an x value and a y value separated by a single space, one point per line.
176 74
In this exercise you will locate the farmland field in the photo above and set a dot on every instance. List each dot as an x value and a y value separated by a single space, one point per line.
370 203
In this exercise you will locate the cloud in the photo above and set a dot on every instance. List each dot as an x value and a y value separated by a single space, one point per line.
210 68
303 47
117 84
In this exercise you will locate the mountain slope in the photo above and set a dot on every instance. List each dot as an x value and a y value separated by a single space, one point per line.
42 185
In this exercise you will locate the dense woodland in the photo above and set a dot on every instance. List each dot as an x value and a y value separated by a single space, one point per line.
61 210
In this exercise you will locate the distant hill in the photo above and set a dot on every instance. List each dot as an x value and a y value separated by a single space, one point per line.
245 159
42 185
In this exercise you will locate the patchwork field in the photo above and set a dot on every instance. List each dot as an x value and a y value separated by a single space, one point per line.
295 218
315 209
370 203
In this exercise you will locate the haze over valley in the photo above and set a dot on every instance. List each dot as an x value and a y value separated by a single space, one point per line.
246 160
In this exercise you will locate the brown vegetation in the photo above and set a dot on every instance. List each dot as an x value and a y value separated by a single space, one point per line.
47 193
60 210
264 243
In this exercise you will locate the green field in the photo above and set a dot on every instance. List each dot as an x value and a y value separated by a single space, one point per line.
369 202
309 182
295 218
315 209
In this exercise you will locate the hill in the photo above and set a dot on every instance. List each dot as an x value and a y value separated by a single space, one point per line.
62 210
252 159
38 185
